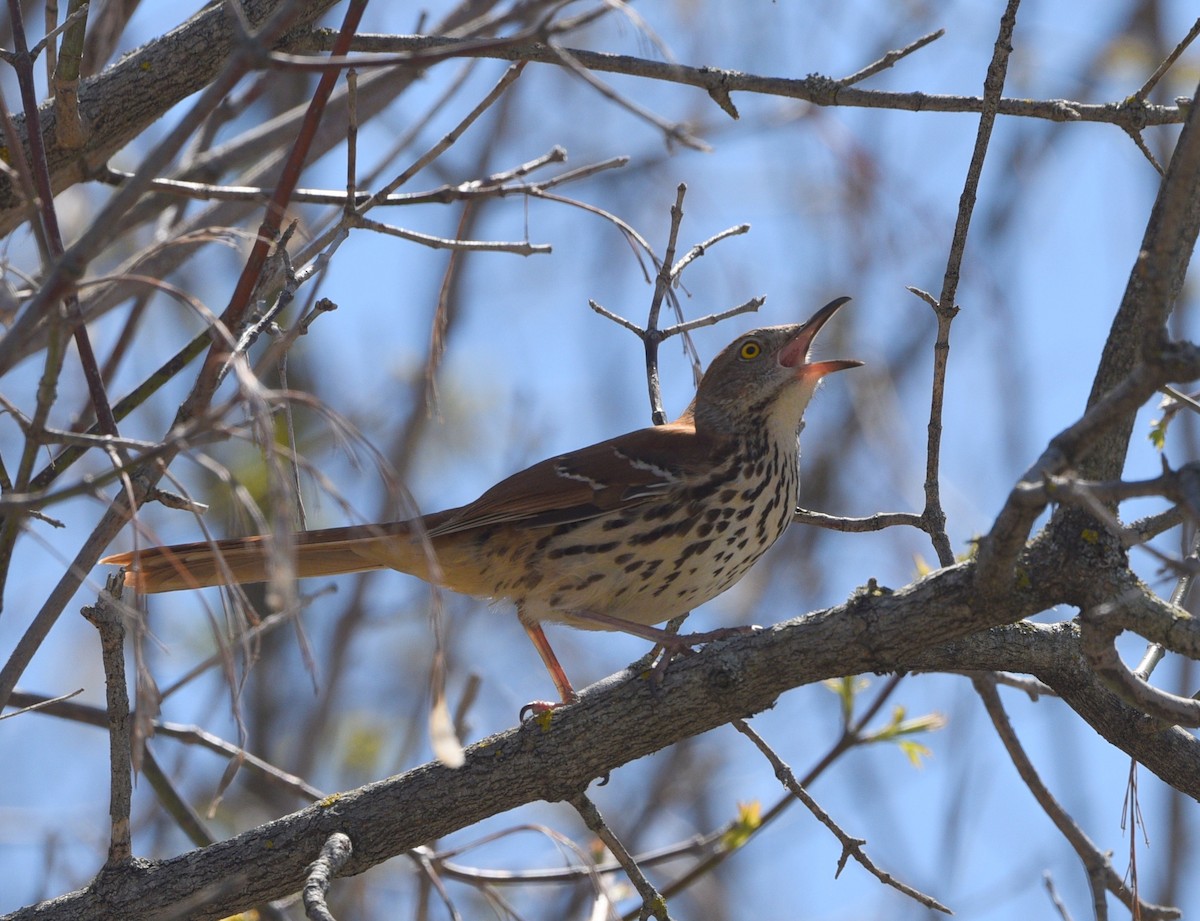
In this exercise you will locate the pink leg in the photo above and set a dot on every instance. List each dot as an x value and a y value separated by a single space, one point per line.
557 675
657 635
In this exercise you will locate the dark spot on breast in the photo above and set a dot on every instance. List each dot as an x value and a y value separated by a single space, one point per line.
666 583
663 530
576 549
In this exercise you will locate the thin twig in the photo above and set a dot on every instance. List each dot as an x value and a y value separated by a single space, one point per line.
653 904
891 58
1155 651
712 319
851 847
673 132
40 704
701 248
518 247
1057 902
1135 135
501 186
178 808
334 853
816 88
107 617
1144 91
945 307
1099 868
55 284
876 522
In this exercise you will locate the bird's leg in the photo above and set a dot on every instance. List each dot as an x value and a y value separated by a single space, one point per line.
557 675
664 638
672 644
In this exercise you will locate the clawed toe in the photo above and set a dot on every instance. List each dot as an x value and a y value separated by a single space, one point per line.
536 708
683 645
540 708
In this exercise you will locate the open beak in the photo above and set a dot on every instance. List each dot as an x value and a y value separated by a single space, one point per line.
795 353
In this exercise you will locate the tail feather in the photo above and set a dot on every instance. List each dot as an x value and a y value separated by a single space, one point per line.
248 559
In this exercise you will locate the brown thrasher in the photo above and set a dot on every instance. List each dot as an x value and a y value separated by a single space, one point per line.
620 535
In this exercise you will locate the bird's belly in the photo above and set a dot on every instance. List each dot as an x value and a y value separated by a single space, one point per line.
653 568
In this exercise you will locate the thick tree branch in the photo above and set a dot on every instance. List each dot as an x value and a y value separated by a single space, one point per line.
933 623
1159 270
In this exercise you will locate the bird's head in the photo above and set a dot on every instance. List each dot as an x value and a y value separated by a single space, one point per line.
765 373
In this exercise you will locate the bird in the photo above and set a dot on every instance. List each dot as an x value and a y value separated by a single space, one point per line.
620 535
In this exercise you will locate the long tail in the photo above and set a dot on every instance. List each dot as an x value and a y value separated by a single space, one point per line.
239 560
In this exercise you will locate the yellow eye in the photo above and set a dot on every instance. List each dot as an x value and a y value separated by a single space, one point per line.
750 349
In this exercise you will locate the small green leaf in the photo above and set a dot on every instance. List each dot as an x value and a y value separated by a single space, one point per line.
899 726
846 689
749 818
915 751
1158 433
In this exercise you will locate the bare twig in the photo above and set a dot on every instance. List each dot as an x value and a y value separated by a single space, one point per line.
1100 872
1136 136
334 853
1144 90
701 248
653 904
876 522
1057 902
665 280
712 319
891 58
817 89
518 247
670 131
851 847
945 307
39 704
56 283
188 820
107 617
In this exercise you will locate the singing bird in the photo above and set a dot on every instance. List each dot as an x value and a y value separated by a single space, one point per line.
621 535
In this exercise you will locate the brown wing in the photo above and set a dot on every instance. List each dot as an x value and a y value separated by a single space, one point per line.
618 473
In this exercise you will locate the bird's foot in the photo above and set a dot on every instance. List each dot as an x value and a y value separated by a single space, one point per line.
541 709
670 646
